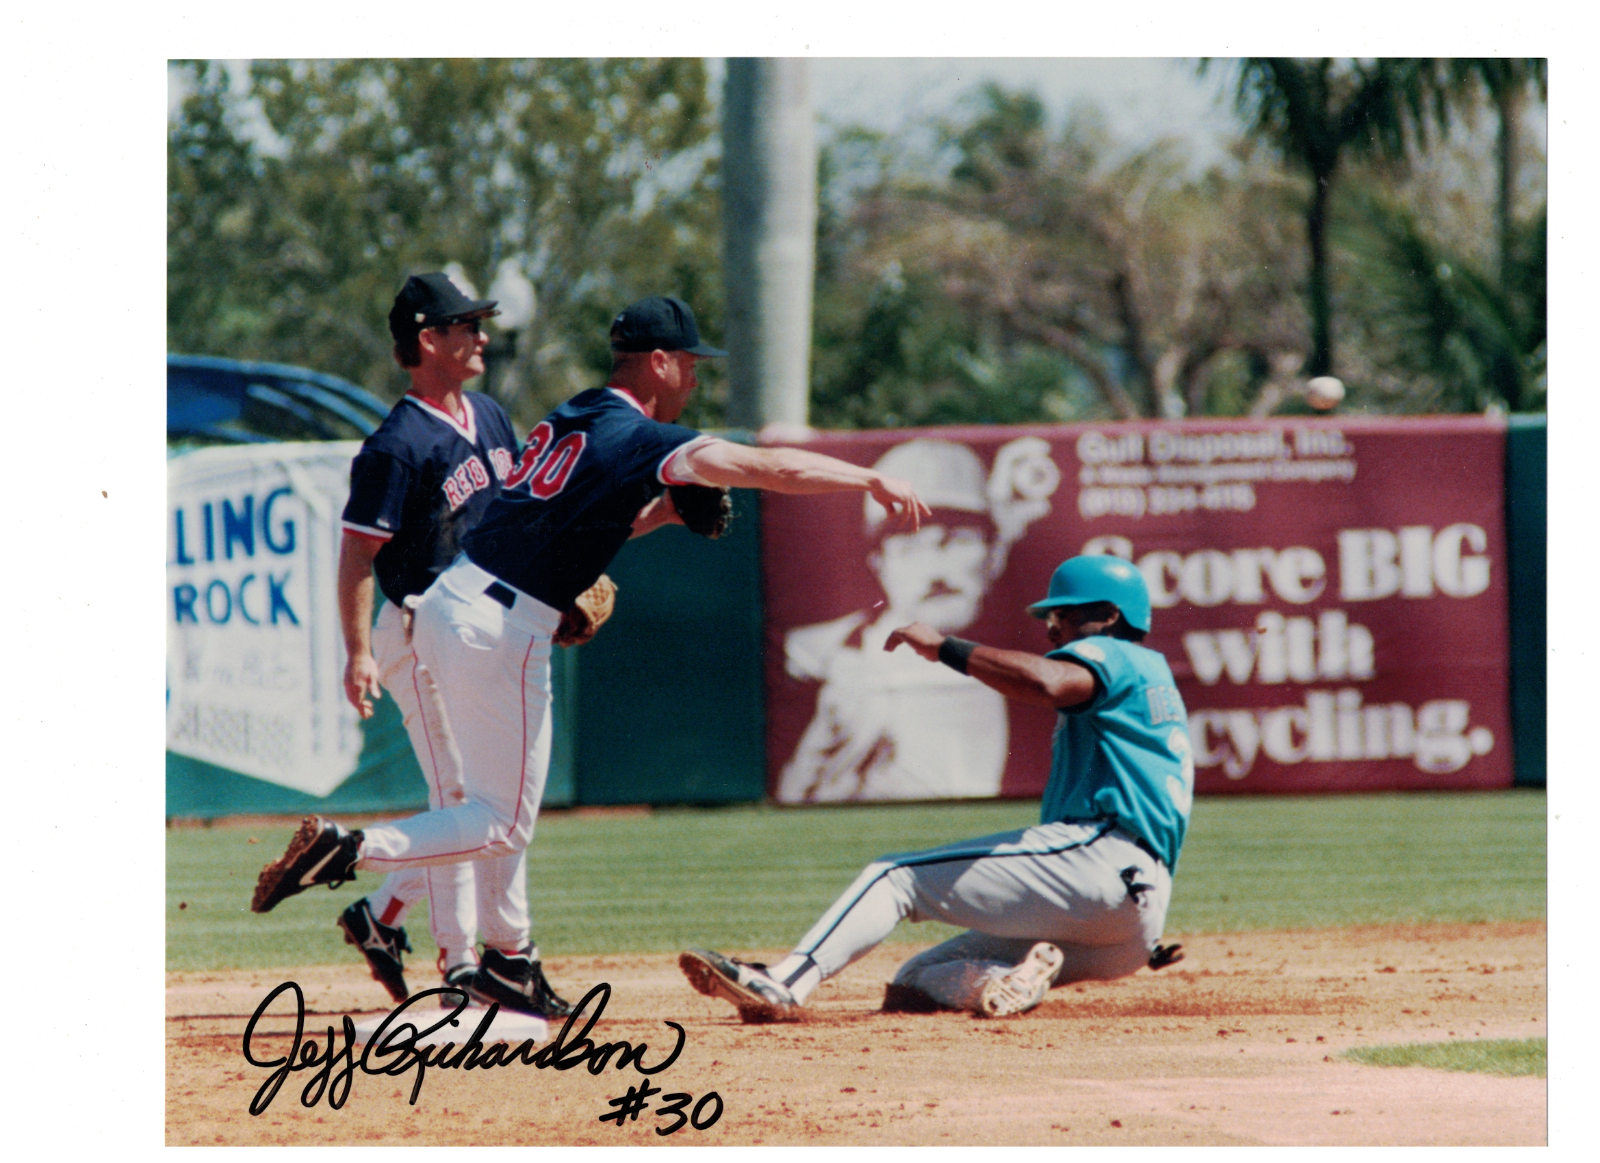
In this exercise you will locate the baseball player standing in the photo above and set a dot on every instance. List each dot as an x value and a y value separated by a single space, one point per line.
1083 895
419 482
591 475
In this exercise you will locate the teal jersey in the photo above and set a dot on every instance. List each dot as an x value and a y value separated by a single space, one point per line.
1125 754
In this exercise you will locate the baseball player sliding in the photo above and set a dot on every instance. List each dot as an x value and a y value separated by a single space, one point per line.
1082 895
591 475
419 482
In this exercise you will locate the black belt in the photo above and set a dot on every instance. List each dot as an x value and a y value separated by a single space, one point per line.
502 593
1141 842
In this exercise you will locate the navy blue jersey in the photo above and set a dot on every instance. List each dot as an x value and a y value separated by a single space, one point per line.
1124 754
569 504
421 481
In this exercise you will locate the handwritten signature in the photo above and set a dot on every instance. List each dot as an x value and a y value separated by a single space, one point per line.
392 1049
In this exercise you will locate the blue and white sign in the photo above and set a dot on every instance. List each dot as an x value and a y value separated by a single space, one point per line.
254 652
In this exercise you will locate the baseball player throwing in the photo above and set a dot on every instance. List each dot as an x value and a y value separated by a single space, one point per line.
1082 895
419 482
591 475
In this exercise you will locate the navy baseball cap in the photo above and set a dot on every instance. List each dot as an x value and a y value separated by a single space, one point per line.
659 323
431 299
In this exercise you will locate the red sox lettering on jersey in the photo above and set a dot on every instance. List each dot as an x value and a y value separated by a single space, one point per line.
421 480
470 476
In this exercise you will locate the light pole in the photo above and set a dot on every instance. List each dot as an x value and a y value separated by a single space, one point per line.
518 303
769 230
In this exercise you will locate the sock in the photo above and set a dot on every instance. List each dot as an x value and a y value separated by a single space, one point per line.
799 974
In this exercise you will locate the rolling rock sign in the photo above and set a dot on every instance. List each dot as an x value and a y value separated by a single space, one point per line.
253 647
1331 596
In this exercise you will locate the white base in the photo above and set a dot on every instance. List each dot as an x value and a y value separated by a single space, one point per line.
508 1026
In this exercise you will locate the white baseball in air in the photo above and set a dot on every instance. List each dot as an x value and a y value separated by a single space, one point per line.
1324 392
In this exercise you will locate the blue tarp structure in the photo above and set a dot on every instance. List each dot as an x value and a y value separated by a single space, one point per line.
225 400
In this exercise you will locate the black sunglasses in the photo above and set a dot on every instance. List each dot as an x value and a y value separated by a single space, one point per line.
475 326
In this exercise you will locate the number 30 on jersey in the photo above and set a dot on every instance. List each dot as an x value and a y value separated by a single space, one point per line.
543 468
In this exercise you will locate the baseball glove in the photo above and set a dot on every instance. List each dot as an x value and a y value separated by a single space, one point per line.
704 510
588 613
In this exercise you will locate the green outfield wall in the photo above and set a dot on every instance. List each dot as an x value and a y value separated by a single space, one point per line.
669 704
1527 472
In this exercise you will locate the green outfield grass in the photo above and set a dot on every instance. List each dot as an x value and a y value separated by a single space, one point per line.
1503 1056
745 878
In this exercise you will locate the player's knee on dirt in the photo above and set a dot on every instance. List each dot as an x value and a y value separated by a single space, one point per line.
952 985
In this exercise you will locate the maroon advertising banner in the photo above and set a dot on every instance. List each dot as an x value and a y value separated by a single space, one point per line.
1331 595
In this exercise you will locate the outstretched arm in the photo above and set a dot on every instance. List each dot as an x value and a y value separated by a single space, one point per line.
1028 678
797 471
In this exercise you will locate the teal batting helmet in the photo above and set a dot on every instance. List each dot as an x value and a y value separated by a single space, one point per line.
1099 579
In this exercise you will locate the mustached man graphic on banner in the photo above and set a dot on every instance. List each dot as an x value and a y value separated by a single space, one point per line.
887 725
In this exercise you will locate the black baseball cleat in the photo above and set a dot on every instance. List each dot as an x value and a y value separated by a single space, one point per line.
1164 955
517 982
380 944
459 978
321 853
757 995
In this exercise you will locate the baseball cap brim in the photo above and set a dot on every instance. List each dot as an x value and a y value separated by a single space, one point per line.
475 309
706 350
1042 609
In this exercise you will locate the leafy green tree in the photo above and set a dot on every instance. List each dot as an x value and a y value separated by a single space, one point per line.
297 207
1018 273
1445 272
891 348
1319 113
1507 83
1055 277
1438 328
217 211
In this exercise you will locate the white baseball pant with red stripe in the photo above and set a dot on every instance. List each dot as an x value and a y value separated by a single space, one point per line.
448 889
491 665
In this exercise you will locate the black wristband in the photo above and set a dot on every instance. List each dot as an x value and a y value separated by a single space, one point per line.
954 652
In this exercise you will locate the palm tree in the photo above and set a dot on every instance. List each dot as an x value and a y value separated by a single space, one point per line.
1451 328
1506 81
1317 113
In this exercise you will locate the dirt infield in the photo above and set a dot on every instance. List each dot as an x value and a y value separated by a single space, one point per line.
1238 1044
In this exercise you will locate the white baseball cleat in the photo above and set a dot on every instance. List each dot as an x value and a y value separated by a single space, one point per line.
1023 987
